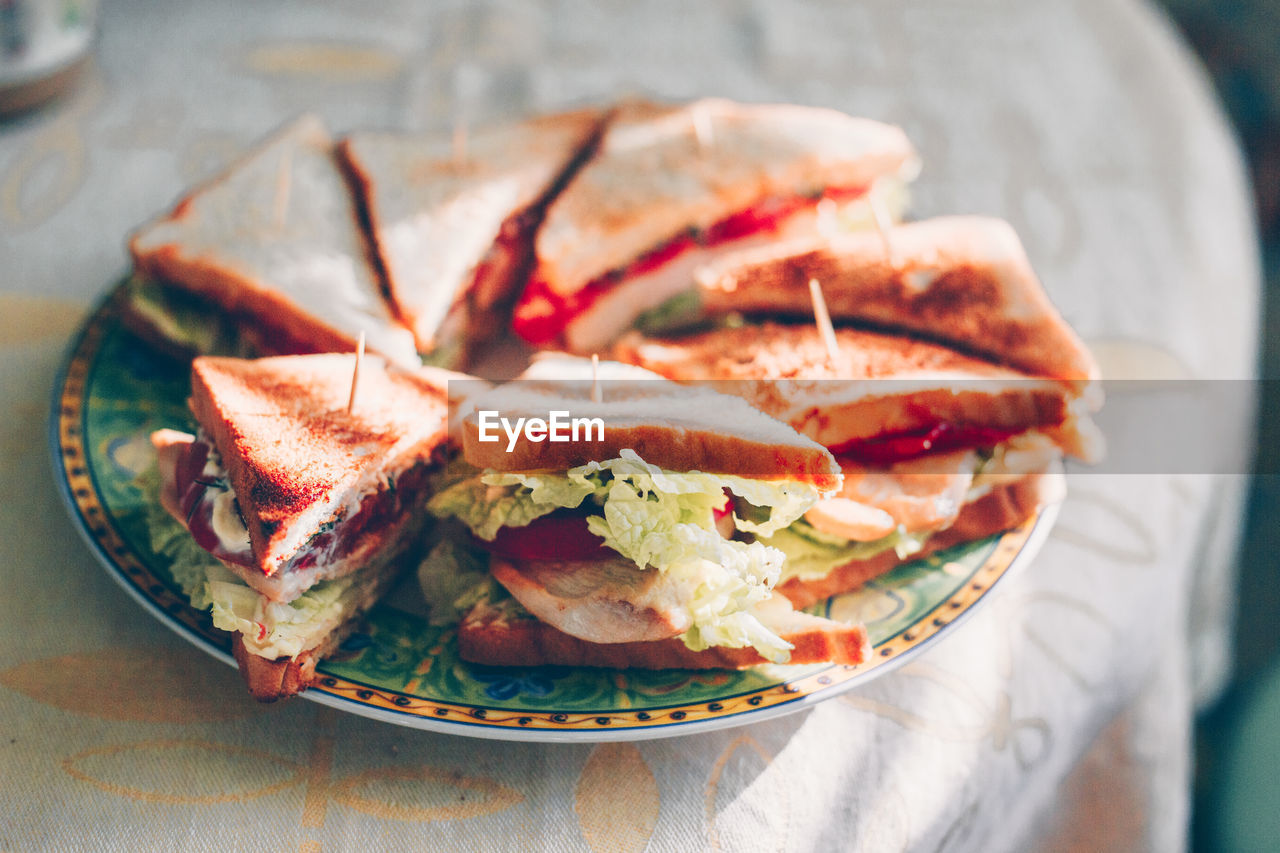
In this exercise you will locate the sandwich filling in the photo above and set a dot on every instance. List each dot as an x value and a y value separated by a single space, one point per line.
590 316
269 628
193 324
196 484
626 511
474 313
901 505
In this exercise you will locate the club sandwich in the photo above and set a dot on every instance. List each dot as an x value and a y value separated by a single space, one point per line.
452 219
270 253
952 394
632 547
292 512
670 188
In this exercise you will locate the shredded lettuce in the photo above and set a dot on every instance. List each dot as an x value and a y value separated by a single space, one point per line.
812 554
660 519
184 319
454 577
274 630
486 505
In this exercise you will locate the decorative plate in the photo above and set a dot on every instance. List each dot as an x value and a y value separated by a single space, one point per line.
115 390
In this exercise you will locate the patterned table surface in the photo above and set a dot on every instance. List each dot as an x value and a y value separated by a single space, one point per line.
1084 124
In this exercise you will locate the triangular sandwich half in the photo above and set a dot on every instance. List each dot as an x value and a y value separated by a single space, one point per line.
298 513
673 187
275 243
452 221
953 393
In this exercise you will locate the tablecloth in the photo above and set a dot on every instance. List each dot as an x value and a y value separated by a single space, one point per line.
1058 716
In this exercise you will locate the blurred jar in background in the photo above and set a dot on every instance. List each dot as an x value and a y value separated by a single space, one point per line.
44 45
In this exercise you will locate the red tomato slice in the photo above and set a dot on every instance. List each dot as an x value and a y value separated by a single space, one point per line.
664 254
559 536
541 315
724 511
563 535
764 217
887 449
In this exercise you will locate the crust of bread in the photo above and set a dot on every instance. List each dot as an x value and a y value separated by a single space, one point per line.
271 680
962 280
1004 507
652 177
433 217
243 333
486 636
295 456
252 239
241 295
669 446
676 427
881 384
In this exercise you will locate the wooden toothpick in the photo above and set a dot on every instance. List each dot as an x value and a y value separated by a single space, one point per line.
823 319
355 374
284 183
883 225
826 215
702 127
460 143
596 395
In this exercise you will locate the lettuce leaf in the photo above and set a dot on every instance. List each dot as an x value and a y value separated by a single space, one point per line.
453 577
660 519
274 630
186 320
812 554
487 503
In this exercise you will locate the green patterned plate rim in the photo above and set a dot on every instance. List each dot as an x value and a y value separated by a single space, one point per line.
114 390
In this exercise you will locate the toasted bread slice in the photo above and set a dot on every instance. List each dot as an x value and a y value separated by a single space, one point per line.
295 456
962 280
1004 507
676 427
449 225
489 636
653 177
672 188
272 680
331 558
880 384
276 238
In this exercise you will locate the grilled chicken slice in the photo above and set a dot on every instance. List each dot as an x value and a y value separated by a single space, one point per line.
601 601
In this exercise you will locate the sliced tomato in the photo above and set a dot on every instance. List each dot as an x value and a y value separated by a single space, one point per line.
563 535
542 315
663 255
539 316
764 217
899 447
